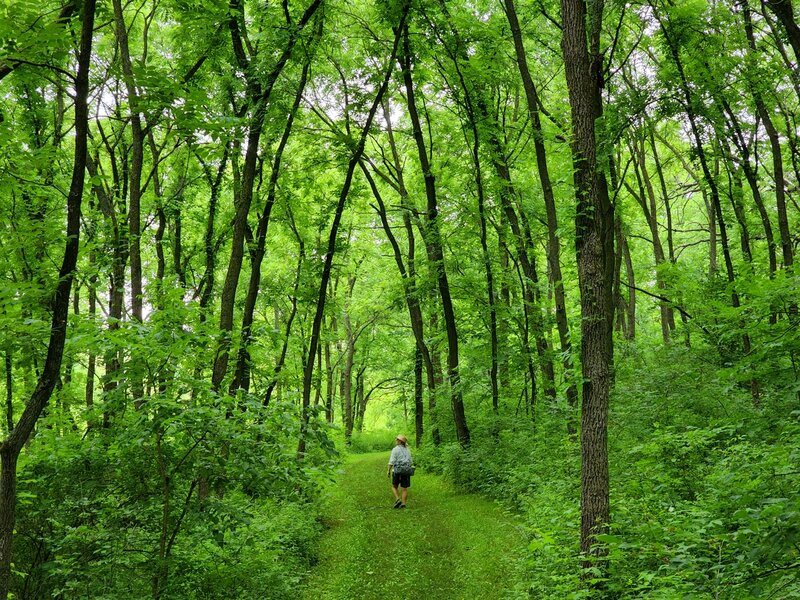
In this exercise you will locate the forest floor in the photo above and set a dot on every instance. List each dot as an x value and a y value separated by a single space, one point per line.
445 545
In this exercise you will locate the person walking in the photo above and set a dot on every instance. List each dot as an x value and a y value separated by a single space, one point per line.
400 471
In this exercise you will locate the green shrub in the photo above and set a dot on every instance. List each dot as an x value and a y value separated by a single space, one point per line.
97 518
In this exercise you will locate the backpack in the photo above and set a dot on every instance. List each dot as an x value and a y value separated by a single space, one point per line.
404 465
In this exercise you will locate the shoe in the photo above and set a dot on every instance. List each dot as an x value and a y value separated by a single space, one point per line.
402 506
398 504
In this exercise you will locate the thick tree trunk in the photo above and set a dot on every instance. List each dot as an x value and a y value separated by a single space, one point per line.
594 224
12 445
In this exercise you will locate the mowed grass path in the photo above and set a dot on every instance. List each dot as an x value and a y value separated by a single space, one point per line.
445 545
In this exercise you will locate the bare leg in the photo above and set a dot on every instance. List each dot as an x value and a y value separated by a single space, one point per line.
395 492
405 495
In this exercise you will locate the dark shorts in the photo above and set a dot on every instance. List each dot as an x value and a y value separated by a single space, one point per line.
401 480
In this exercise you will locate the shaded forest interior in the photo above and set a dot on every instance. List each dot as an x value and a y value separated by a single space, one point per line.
551 241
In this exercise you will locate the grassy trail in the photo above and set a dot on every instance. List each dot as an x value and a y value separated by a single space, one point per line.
444 546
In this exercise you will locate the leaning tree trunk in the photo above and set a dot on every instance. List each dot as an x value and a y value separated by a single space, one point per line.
241 377
11 447
411 293
434 242
358 150
134 193
711 182
784 10
259 95
460 54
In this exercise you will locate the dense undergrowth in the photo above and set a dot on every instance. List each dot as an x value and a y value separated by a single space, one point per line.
202 502
705 493
705 489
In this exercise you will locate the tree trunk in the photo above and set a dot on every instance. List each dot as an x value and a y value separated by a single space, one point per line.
711 182
409 279
91 366
785 13
458 55
419 406
241 378
667 313
361 399
594 226
258 98
784 10
12 445
357 151
329 388
487 266
134 195
434 241
286 334
752 179
553 241
347 369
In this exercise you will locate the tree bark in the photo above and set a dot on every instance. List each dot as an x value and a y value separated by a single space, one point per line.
594 228
710 181
553 241
329 389
410 287
784 10
434 242
752 178
241 377
419 405
349 359
134 186
645 197
12 445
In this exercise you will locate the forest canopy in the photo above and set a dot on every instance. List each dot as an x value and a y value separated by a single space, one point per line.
552 241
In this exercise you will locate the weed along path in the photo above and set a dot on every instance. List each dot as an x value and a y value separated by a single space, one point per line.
444 546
